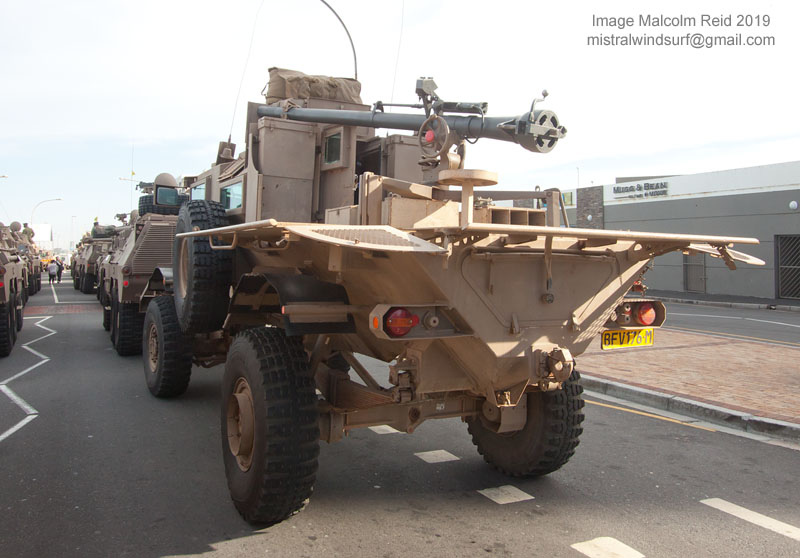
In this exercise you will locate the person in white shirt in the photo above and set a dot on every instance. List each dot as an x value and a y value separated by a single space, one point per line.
52 270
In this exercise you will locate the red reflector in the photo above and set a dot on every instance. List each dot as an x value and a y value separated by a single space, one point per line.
125 283
430 136
2 284
645 314
399 322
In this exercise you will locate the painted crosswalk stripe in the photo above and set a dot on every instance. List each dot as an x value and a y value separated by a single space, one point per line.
383 429
506 494
754 517
606 547
436 456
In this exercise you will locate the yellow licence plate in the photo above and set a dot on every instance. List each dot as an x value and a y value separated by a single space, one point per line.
624 338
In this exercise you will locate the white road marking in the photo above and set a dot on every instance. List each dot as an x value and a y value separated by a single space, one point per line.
754 517
17 426
436 456
16 399
705 316
771 322
383 429
732 318
20 374
506 494
53 288
606 547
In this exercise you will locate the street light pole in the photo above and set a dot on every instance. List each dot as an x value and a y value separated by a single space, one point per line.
37 205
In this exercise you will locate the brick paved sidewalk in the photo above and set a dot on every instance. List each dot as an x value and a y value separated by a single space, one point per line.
755 378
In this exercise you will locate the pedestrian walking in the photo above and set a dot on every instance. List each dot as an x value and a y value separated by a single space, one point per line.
60 268
52 271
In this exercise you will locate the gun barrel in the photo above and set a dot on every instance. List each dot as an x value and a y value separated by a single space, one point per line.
537 133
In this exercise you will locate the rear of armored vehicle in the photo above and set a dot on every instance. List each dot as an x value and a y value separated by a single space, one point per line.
321 242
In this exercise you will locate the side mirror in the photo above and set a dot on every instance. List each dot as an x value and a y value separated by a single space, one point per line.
165 195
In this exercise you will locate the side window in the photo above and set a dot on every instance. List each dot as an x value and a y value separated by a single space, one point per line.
231 196
199 191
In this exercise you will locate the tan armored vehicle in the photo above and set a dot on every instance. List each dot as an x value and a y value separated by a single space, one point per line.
93 248
13 270
30 253
143 246
324 242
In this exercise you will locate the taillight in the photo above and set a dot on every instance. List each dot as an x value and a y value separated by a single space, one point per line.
2 270
125 283
399 321
430 135
645 314
126 270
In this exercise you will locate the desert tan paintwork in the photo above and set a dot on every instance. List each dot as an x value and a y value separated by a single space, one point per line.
506 297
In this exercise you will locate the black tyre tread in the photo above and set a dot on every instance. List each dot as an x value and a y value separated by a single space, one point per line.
76 280
562 430
31 285
206 303
147 205
129 332
172 378
106 318
290 461
87 283
7 329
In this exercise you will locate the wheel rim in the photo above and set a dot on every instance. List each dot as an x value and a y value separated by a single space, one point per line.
241 424
152 348
184 268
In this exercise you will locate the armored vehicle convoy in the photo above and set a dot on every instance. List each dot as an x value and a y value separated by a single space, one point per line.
140 248
12 290
322 241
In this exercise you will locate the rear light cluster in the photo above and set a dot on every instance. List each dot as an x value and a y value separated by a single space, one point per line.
636 313
399 321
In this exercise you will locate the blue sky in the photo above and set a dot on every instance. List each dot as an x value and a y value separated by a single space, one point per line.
83 82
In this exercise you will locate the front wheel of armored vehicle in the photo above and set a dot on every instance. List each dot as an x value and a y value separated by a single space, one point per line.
18 319
76 284
270 435
126 327
545 443
87 283
8 327
201 275
166 349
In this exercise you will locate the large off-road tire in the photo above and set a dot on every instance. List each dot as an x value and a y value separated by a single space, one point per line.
87 283
18 320
270 435
8 328
76 279
548 439
201 275
147 205
31 285
166 350
126 328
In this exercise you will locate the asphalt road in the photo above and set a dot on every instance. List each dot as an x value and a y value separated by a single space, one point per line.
772 326
104 469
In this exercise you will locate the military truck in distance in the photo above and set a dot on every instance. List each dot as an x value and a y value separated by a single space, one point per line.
84 265
141 247
321 242
12 290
